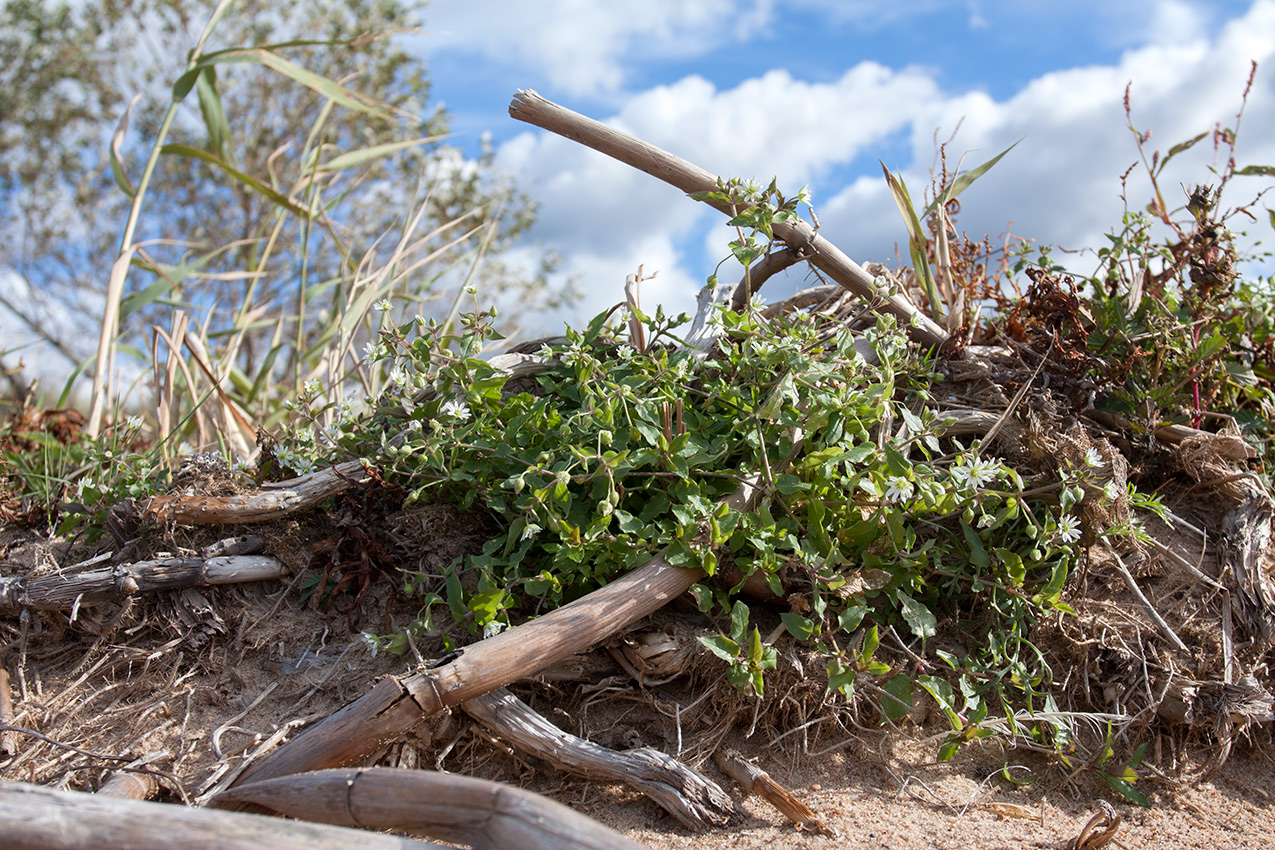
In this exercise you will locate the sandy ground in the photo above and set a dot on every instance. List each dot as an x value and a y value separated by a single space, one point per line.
877 805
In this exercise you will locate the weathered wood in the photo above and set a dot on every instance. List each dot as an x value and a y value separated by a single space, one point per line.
754 780
394 705
688 795
63 591
8 740
129 785
35 818
271 502
1246 536
797 235
483 814
1225 445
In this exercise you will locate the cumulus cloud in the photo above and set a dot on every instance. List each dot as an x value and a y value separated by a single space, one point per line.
583 46
1061 185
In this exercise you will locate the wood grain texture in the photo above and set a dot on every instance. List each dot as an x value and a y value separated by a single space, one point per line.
483 814
36 818
271 502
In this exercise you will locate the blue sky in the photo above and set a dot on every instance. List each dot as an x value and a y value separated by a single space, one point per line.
817 91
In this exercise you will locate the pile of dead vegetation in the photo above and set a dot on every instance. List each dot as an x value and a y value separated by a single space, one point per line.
813 525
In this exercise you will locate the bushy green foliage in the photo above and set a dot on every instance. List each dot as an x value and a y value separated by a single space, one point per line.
879 520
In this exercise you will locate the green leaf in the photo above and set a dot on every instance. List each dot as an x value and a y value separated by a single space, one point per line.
960 184
919 618
487 605
840 678
118 169
214 115
941 691
916 241
1256 171
248 180
739 621
358 157
871 641
899 701
1179 148
327 88
1125 788
849 619
1009 776
802 628
978 555
787 484
1013 566
721 646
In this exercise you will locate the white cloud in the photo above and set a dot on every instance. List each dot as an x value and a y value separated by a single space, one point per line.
1061 185
583 46
1175 22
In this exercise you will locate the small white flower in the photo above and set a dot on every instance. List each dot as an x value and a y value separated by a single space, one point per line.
897 488
456 410
492 629
312 387
626 352
134 423
397 376
471 289
383 305
546 353
1068 530
1111 490
986 521
371 352
977 473
1093 459
371 642
530 531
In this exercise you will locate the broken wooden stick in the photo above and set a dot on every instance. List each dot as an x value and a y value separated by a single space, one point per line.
688 795
483 814
270 502
754 780
64 591
36 818
8 740
797 235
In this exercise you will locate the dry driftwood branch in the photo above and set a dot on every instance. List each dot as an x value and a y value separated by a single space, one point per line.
394 705
754 780
483 814
127 785
1224 445
271 502
66 591
1246 535
36 818
8 740
689 796
798 236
